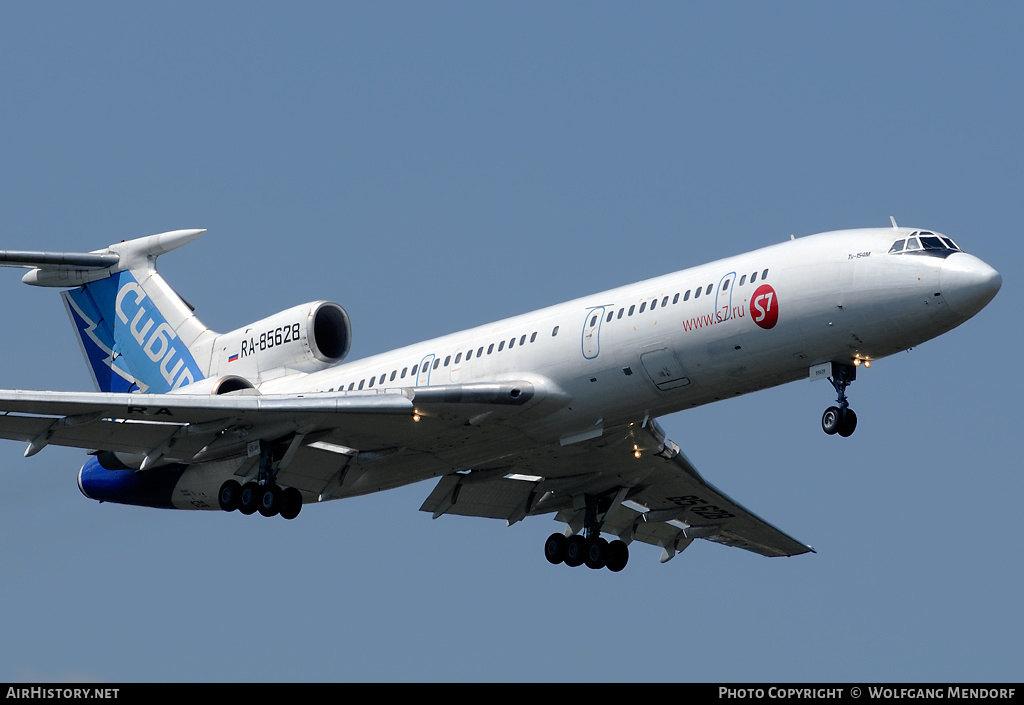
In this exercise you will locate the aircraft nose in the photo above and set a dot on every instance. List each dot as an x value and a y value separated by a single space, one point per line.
968 284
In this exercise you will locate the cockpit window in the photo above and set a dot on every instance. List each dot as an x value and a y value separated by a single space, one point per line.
924 243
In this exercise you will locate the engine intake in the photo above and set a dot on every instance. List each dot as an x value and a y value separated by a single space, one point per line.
332 333
305 338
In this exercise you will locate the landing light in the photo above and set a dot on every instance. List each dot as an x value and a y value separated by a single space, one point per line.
636 451
415 416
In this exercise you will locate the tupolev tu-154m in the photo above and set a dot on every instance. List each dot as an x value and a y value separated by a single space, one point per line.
549 412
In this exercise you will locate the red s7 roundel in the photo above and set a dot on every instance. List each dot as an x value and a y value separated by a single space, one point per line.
764 307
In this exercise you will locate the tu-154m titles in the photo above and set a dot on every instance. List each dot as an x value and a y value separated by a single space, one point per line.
549 412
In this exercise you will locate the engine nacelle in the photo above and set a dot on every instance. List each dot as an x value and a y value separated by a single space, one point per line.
305 338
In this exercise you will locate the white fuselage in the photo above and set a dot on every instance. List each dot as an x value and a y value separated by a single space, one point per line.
694 336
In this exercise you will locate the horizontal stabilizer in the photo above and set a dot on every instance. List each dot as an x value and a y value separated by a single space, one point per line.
71 269
57 260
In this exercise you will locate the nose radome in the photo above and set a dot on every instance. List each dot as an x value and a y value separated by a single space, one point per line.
968 284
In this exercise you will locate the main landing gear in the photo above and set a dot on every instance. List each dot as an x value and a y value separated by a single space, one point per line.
587 546
595 552
252 497
263 494
840 419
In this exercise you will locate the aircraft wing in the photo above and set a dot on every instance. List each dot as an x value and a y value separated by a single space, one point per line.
648 489
343 444
194 428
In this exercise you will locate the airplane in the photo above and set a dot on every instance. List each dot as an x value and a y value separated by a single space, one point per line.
550 412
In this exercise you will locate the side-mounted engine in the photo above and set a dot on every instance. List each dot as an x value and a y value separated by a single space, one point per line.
304 338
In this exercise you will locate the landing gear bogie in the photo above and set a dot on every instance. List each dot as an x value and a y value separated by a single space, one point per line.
253 497
578 550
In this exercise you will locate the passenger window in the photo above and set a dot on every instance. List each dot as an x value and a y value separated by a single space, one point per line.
554 332
725 285
404 370
458 358
490 348
675 299
664 301
621 311
511 343
469 354
361 383
753 277
415 367
608 318
351 385
696 293
522 340
437 363
447 359
686 296
631 309
372 380
393 373
764 275
654 304
480 350
533 337
501 346
743 280
643 306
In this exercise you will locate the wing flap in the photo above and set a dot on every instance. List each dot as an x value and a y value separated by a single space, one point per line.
495 498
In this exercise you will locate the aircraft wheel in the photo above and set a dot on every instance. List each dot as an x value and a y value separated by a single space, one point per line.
597 553
229 494
831 420
248 500
848 424
554 548
291 503
270 500
618 555
575 550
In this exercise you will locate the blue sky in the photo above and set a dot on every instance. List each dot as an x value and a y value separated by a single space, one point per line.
433 166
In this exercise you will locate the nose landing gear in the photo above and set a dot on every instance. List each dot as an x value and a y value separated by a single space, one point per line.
840 419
